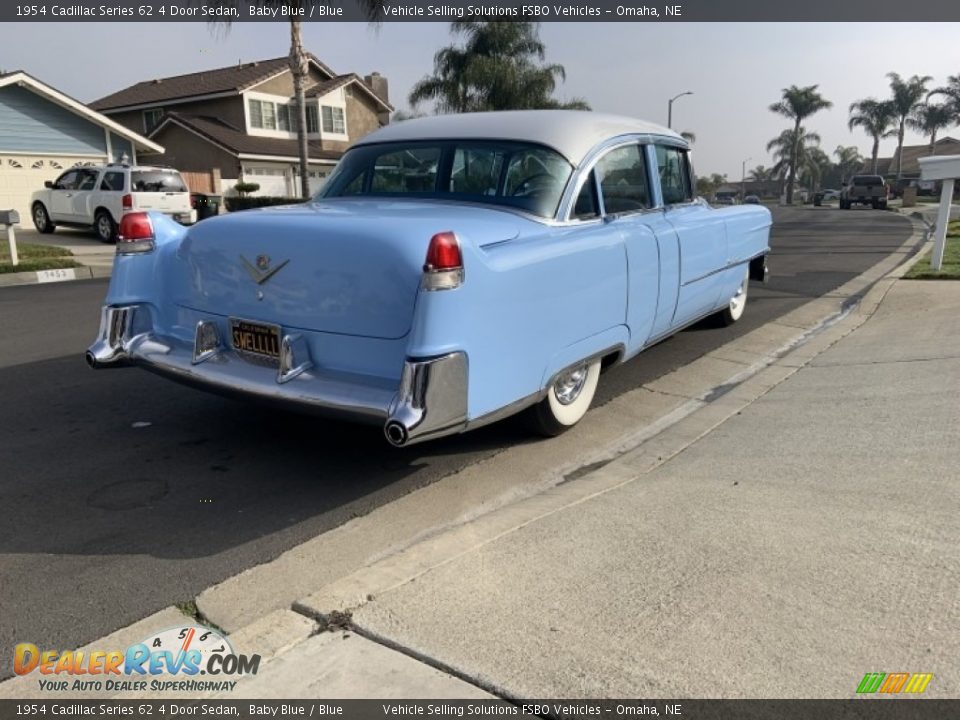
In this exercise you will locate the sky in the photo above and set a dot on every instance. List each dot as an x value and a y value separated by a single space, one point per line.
735 70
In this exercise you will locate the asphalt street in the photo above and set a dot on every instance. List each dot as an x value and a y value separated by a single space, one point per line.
122 493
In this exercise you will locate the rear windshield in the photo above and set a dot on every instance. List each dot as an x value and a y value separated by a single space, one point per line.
521 175
157 181
867 180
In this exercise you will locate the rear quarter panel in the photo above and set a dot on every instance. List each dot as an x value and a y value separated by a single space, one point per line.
748 235
527 308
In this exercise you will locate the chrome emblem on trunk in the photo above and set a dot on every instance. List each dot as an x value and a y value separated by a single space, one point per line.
261 272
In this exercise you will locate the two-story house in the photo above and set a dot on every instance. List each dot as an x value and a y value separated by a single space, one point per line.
239 123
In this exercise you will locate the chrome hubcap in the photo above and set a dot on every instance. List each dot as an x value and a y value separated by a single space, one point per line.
105 229
39 217
568 386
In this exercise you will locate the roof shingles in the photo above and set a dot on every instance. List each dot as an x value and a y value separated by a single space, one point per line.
206 82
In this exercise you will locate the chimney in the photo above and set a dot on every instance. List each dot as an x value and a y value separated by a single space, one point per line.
378 83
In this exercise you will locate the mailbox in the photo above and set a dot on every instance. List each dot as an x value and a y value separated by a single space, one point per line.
9 217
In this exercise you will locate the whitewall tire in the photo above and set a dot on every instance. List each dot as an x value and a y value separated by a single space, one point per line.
738 303
567 400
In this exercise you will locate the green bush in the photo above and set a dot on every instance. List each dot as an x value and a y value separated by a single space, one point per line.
245 203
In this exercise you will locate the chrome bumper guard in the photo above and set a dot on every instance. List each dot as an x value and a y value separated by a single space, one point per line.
431 401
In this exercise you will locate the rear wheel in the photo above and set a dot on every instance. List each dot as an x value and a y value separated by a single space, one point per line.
41 219
105 227
738 303
567 400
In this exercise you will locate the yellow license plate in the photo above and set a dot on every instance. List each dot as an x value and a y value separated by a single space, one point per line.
254 338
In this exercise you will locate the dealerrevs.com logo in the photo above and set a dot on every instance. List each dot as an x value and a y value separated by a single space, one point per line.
172 660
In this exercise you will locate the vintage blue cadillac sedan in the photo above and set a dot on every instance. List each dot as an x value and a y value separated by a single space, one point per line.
452 271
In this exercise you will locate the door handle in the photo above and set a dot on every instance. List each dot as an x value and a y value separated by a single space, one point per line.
69 195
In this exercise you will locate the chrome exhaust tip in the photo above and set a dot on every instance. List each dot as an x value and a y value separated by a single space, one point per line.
396 433
91 360
100 355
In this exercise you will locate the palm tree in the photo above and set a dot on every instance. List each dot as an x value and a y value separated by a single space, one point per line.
797 104
849 161
761 174
792 152
875 117
299 66
931 119
952 91
498 67
907 94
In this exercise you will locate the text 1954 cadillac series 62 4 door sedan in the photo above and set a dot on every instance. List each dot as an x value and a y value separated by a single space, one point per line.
452 271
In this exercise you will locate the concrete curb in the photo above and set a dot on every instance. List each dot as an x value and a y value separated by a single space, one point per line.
84 272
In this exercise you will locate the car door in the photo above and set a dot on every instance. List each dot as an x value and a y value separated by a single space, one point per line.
81 208
701 233
61 196
621 182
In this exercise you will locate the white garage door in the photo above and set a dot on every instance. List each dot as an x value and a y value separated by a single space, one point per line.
272 179
21 175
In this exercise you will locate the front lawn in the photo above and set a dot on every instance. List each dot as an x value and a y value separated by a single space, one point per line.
35 257
950 270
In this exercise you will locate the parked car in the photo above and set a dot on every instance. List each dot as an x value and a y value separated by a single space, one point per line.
452 271
99 197
751 200
725 200
831 194
865 190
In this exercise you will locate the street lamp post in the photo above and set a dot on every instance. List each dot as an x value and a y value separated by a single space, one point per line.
670 106
743 178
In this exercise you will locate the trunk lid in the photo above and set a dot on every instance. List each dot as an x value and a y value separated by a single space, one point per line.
351 267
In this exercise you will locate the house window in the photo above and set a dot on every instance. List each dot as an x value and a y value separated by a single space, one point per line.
287 118
263 115
313 120
333 120
151 118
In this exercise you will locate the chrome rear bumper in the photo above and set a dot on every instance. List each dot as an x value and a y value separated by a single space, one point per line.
431 400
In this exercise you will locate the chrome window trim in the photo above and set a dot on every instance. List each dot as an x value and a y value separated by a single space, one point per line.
582 172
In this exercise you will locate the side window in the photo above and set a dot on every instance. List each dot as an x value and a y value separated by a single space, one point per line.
88 180
112 181
586 206
622 173
67 181
674 169
476 171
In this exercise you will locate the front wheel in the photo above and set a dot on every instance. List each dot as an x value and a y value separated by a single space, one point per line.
105 226
41 219
567 400
738 303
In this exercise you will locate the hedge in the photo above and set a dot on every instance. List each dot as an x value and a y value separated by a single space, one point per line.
245 203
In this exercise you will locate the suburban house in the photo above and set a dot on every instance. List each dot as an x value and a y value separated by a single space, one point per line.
238 123
911 154
43 132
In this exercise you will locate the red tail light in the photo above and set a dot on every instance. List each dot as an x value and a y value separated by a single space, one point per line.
135 234
443 269
127 201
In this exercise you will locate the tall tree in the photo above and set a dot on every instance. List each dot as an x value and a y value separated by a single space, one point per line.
906 96
499 66
875 117
798 103
792 151
952 92
760 174
849 161
931 119
299 63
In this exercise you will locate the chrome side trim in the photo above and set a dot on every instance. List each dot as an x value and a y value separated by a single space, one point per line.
431 401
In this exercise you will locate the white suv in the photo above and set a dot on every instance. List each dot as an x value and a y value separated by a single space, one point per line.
98 197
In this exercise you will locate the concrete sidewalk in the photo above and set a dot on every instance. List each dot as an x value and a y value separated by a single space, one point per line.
808 539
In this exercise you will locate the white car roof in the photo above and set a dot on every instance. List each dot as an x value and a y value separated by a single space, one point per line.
573 133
